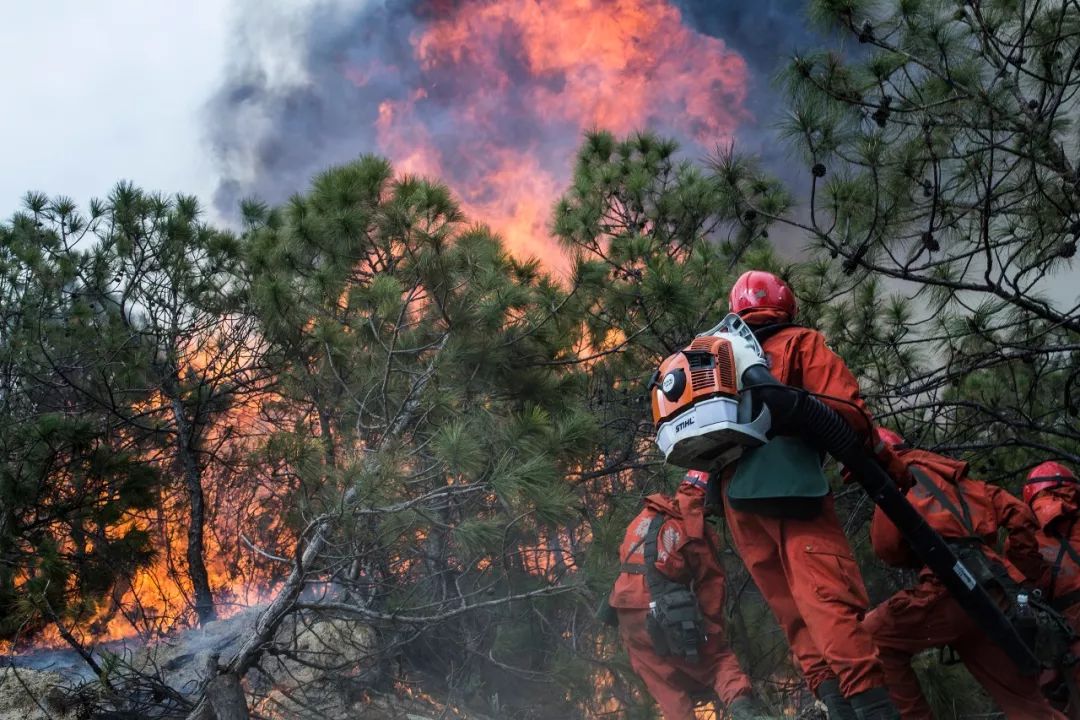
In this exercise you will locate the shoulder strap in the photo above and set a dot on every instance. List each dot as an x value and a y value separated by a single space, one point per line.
1056 570
963 516
765 331
656 581
636 568
1067 599
1068 548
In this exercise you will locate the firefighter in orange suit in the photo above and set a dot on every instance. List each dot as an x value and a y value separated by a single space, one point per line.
967 513
801 561
686 555
1053 493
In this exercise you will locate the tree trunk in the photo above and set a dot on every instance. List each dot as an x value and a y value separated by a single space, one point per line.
327 437
227 697
200 580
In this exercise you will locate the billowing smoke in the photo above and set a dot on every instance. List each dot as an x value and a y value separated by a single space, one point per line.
766 33
490 96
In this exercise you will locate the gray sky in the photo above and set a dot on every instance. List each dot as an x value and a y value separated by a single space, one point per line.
95 91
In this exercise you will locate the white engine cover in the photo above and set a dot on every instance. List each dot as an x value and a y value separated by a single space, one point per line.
697 437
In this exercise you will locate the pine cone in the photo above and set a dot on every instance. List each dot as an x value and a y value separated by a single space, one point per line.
930 242
818 170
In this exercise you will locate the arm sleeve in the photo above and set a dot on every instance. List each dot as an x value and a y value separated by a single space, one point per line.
671 552
823 372
1022 544
889 543
710 584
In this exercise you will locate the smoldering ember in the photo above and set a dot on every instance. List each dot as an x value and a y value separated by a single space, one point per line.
516 359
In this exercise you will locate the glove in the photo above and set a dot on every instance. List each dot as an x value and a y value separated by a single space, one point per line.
896 468
890 462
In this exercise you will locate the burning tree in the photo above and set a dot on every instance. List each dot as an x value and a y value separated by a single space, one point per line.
125 325
174 285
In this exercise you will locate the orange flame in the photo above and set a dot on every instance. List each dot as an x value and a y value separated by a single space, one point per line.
526 78
156 598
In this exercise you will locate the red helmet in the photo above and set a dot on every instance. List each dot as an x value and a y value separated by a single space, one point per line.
893 439
696 478
760 289
1045 476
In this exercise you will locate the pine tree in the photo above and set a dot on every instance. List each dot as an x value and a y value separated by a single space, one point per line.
172 283
657 244
944 204
68 472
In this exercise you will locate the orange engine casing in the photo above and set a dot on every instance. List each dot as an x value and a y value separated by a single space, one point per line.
702 419
708 367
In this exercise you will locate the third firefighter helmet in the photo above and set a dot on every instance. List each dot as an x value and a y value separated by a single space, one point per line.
760 289
1045 476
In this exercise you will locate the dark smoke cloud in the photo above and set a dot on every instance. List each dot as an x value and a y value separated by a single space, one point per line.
766 33
271 133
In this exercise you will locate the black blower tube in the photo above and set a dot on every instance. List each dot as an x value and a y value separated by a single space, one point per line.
823 427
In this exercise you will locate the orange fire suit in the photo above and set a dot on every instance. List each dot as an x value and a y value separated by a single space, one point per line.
687 552
805 568
927 616
1057 511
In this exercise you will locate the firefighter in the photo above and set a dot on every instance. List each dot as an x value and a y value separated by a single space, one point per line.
678 649
1053 493
968 513
780 514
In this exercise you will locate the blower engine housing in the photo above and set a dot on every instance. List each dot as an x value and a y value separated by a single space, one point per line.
699 409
